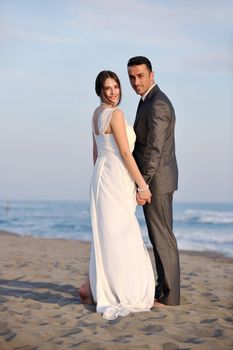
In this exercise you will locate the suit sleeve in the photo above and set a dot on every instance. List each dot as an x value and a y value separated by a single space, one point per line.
158 125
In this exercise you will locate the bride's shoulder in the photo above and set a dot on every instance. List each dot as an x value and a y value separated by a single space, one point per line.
117 108
118 117
118 112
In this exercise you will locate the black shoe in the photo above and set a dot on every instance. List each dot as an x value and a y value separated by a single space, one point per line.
158 292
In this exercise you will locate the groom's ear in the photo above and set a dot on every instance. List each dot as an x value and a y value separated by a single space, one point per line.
152 76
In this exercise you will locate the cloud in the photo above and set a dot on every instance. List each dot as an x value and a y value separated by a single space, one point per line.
129 21
216 62
157 23
196 34
30 36
24 76
41 38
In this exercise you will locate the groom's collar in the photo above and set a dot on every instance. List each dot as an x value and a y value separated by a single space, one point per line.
146 93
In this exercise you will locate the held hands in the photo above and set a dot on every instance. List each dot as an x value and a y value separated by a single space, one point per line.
143 196
140 201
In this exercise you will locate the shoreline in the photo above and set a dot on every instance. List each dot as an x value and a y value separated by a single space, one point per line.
202 253
40 308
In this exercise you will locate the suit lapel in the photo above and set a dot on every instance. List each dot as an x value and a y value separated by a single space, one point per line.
142 104
137 113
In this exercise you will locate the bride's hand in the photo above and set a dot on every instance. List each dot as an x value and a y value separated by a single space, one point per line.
146 195
140 201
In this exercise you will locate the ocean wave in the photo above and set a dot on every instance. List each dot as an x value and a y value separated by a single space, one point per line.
186 245
196 226
205 217
203 236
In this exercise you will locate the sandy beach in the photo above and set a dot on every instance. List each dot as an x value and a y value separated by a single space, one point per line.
39 307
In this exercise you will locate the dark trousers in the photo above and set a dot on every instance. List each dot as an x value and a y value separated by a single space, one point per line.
159 220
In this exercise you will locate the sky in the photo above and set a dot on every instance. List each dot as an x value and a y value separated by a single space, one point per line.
50 54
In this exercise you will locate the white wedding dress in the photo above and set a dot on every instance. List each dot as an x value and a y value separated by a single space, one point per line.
120 272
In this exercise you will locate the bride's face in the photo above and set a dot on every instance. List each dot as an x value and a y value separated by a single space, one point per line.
111 92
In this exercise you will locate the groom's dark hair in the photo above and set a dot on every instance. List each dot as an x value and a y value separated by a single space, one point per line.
135 61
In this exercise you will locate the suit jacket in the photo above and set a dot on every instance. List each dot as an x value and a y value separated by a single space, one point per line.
154 149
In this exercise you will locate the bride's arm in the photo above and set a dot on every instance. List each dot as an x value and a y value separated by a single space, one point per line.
117 125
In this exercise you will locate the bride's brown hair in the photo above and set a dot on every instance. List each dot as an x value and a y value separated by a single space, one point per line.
99 82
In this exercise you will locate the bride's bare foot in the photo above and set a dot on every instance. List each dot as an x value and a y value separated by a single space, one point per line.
158 304
85 294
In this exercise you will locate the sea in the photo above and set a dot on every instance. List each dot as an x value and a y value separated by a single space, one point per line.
197 226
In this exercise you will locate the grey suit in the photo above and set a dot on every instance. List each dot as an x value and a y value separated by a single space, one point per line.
155 155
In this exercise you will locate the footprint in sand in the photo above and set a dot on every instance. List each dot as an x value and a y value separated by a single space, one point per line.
229 319
209 320
151 329
123 339
8 334
72 332
194 340
210 296
207 332
170 346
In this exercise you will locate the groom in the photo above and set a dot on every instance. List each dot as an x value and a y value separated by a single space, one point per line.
155 155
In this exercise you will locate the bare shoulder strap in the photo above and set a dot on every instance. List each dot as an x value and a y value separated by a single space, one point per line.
104 120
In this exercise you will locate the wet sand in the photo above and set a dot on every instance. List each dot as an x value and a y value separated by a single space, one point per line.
40 309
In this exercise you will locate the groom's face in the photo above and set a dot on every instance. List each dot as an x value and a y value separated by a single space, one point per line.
141 79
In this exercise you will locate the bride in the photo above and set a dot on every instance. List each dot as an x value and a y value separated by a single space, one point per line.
121 278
